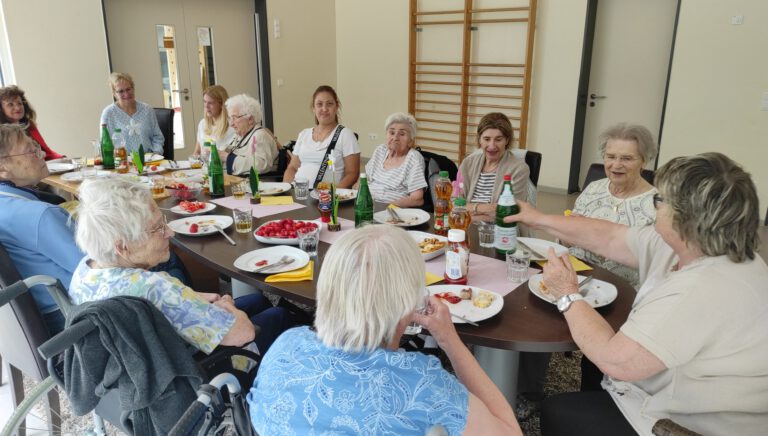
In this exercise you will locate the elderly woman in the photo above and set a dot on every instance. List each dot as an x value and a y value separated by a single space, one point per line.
253 146
136 119
327 140
348 375
482 172
17 110
396 171
624 197
36 234
124 234
215 124
695 344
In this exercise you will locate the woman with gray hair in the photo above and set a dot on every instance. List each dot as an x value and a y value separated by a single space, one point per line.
253 145
124 234
396 171
348 375
695 346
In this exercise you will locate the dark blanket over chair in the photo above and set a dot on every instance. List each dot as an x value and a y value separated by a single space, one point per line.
136 350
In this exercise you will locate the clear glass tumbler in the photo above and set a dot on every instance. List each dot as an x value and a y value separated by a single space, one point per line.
517 265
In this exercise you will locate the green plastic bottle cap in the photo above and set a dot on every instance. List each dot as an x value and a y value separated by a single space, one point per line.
443 173
460 202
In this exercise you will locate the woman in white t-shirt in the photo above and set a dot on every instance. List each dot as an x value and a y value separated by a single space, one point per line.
396 171
312 144
214 125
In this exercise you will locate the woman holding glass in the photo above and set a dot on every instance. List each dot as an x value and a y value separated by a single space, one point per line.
136 119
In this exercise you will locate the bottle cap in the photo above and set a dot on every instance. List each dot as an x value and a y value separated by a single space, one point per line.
456 235
443 173
459 201
507 177
362 175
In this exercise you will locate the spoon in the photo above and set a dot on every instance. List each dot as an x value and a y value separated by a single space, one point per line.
285 260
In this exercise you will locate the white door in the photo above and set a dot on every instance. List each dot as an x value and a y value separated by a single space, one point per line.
630 60
174 49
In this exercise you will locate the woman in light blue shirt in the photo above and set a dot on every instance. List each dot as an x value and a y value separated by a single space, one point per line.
136 119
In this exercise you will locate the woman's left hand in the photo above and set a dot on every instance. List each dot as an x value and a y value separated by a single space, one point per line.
209 296
559 275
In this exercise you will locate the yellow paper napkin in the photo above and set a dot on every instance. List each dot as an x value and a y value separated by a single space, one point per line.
431 279
299 275
277 200
578 265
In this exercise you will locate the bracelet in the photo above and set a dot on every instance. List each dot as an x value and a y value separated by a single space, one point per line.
474 211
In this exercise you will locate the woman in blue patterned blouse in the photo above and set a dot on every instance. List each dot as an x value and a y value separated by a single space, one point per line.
347 375
136 119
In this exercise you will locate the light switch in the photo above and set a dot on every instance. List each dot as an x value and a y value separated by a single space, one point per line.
280 83
737 20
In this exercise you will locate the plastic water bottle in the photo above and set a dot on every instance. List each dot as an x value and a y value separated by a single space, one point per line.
121 155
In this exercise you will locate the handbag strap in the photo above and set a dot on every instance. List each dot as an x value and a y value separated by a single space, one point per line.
324 163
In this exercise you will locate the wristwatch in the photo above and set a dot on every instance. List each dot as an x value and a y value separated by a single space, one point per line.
564 302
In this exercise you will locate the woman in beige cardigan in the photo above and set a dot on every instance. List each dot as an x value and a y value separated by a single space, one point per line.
483 171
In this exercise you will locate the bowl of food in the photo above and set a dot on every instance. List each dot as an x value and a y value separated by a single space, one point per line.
184 191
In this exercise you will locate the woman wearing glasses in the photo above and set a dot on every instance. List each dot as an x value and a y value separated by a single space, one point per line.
136 119
124 235
253 145
17 110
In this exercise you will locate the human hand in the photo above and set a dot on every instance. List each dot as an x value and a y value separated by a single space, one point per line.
209 296
528 215
226 304
559 276
437 319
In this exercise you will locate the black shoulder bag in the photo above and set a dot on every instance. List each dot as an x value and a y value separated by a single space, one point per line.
324 163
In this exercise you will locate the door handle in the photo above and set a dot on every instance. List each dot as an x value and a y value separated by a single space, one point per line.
594 96
186 91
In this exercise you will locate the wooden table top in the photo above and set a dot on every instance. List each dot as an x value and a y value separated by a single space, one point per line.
526 323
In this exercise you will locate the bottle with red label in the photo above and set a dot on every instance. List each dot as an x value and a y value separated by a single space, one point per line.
443 190
456 258
324 201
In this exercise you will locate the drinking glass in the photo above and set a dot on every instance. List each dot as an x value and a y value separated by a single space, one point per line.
309 239
157 184
517 265
195 161
301 188
485 233
87 167
243 219
414 328
238 190
96 152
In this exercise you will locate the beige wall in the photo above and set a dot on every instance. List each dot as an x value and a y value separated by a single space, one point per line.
719 73
59 56
304 57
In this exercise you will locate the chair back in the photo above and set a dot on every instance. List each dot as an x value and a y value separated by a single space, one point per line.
433 164
533 160
597 172
165 121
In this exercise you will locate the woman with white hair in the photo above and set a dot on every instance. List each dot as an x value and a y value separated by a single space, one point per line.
695 346
348 375
124 234
253 145
396 170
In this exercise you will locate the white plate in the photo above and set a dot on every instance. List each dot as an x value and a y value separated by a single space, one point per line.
465 308
597 292
343 194
149 170
59 167
542 246
152 157
78 176
208 207
270 188
283 241
247 262
420 236
205 222
134 178
412 217
190 175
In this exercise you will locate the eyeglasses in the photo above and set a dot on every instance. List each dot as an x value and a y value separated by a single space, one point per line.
233 118
623 159
124 91
656 200
37 151
161 228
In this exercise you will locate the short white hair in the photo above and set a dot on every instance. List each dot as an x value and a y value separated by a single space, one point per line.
371 278
246 105
402 118
111 211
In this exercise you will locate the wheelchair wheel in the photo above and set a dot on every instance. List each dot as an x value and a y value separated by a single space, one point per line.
33 415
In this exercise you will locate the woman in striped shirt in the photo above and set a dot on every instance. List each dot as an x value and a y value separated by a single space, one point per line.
483 170
396 171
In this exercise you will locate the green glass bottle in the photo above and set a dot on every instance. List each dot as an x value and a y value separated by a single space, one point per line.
215 173
363 203
107 149
505 238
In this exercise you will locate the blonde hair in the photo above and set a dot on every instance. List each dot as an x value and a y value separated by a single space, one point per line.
371 278
116 77
217 128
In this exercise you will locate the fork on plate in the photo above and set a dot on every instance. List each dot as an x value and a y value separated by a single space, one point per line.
395 217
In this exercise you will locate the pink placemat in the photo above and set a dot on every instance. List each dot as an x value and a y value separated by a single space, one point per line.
258 210
331 237
484 272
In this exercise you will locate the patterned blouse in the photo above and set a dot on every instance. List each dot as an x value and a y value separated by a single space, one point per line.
199 322
596 201
304 388
140 128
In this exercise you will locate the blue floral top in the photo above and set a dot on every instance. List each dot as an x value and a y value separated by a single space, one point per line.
306 388
199 322
140 128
